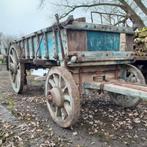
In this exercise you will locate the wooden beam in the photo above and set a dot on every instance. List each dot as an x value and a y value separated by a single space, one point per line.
127 89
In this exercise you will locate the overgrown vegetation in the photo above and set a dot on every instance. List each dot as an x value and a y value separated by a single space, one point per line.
2 61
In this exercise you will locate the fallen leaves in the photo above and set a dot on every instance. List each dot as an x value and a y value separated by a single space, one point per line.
75 133
109 121
99 118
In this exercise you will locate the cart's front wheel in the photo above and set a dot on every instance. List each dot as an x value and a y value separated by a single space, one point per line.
129 74
62 97
16 69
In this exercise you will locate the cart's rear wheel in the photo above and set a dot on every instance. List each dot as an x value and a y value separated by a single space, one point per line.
133 75
62 97
16 69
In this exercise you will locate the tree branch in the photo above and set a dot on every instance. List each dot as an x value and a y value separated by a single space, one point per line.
121 21
123 4
141 6
72 8
41 3
137 21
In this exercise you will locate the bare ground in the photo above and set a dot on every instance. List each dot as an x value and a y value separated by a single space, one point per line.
25 121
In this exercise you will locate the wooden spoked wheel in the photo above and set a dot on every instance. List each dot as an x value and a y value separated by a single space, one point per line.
129 74
16 69
62 97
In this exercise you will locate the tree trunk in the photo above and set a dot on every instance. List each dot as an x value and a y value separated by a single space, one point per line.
141 6
137 22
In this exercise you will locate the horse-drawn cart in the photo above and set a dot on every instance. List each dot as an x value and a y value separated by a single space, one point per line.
80 56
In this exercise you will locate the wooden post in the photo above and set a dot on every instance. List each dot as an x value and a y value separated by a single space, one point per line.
123 44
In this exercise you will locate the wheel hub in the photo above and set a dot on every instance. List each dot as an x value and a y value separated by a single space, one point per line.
57 96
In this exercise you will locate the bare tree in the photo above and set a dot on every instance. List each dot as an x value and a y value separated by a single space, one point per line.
121 5
141 5
5 42
137 21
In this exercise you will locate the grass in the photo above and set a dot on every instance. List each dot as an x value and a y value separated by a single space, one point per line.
1 97
103 137
11 104
2 61
8 101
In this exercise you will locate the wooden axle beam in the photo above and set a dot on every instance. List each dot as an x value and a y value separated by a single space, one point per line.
124 88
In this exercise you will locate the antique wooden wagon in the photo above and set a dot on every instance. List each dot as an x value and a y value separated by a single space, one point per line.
80 56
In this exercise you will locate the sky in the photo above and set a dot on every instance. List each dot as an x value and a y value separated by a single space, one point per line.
20 17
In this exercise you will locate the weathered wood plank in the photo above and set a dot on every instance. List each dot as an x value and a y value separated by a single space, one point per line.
98 27
120 88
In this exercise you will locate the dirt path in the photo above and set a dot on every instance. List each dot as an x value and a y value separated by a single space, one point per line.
25 121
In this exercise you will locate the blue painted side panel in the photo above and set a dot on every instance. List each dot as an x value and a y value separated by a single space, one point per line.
30 49
35 44
96 41
58 46
51 45
103 41
25 46
42 48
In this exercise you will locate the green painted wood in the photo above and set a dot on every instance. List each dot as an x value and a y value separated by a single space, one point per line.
103 41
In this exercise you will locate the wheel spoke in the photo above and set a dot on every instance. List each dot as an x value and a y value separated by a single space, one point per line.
67 108
12 58
59 82
55 78
12 67
67 98
14 54
58 112
52 83
13 77
64 113
130 77
64 89
134 80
